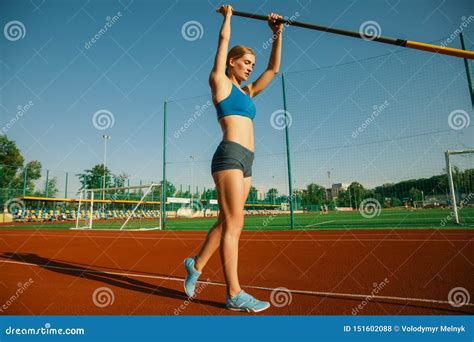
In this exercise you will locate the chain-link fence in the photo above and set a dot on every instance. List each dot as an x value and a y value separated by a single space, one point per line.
332 138
336 137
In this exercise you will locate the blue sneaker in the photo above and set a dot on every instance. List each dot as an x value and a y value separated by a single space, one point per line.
191 276
245 302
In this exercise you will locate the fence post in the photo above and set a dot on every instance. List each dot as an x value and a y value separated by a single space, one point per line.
65 187
128 190
163 185
288 159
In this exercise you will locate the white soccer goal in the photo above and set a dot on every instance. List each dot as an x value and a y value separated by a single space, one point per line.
460 170
130 208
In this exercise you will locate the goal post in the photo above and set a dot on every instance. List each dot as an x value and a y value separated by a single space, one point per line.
84 221
129 208
460 172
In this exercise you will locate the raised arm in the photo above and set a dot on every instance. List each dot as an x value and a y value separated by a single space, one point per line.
218 71
275 57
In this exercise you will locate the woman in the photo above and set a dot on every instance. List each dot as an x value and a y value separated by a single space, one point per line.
232 161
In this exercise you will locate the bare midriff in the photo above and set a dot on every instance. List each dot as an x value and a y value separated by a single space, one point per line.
239 129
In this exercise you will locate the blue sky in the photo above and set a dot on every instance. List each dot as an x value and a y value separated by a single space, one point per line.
144 59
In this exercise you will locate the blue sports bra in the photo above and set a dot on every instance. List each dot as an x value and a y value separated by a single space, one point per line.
237 103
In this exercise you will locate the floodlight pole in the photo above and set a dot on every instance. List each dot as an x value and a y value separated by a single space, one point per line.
192 180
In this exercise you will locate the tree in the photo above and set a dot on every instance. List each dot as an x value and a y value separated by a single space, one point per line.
343 199
170 191
51 191
271 195
11 161
415 194
33 173
395 202
12 172
252 197
121 180
314 194
94 178
358 193
183 194
297 198
209 194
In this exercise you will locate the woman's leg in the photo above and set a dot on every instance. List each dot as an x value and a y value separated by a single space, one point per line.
210 245
213 237
230 191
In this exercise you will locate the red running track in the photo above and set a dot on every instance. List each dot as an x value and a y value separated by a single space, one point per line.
343 272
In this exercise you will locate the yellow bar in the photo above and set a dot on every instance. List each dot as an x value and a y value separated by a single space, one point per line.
440 49
52 199
261 205
34 198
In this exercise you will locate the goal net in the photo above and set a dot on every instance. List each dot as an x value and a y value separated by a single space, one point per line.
121 208
460 170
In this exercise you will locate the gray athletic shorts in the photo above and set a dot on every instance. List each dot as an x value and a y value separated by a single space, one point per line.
231 155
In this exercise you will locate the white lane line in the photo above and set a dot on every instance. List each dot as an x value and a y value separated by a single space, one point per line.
314 293
259 239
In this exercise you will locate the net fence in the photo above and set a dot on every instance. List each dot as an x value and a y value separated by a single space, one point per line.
363 131
329 142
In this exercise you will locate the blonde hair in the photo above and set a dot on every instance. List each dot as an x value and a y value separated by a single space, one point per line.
235 53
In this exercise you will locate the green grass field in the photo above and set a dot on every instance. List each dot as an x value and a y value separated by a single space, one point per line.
388 218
